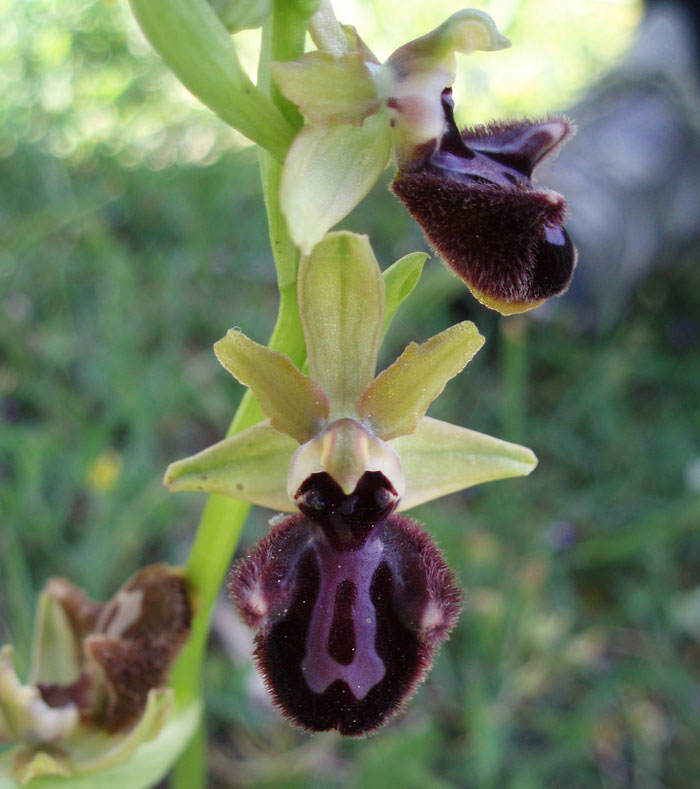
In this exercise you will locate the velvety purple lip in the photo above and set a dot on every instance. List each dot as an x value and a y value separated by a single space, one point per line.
344 636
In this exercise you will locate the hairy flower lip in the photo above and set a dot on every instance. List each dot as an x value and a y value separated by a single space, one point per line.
344 638
473 195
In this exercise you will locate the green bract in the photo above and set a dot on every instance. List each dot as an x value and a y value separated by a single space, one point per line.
356 108
341 419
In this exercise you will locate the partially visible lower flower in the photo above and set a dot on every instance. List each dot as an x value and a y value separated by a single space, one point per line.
97 683
474 198
349 600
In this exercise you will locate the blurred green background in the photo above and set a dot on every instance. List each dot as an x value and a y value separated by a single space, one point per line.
132 236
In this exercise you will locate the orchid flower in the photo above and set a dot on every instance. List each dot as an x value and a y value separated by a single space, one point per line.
471 193
348 599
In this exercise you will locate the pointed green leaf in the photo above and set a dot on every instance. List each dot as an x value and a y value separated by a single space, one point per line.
439 458
328 170
401 394
292 401
328 89
341 303
251 466
400 279
189 37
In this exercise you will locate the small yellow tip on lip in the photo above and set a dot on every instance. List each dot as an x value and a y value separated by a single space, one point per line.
505 307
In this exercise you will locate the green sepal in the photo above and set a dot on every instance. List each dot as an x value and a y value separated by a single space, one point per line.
251 466
294 403
328 89
189 37
238 15
399 396
439 458
400 279
327 172
341 303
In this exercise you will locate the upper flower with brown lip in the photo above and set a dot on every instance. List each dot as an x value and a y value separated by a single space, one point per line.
471 192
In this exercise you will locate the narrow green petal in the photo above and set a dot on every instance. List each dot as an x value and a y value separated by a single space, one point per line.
400 279
192 41
328 170
341 303
251 466
292 401
328 89
396 400
439 458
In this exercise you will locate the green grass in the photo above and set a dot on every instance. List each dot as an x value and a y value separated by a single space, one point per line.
577 655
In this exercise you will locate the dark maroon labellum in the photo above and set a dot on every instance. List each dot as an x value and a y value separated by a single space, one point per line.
346 627
473 196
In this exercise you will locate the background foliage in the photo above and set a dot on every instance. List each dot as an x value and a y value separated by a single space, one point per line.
123 258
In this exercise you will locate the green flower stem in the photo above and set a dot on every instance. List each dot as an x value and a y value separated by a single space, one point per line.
223 518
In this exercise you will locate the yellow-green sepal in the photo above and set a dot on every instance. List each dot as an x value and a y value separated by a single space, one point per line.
439 458
294 403
341 304
399 396
329 89
251 466
327 172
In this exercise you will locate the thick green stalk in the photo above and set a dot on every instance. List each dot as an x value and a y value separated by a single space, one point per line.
223 518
